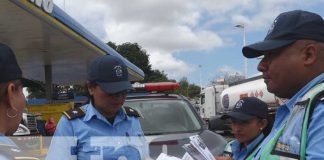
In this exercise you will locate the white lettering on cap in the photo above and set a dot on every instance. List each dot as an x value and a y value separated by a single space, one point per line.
119 71
272 26
239 104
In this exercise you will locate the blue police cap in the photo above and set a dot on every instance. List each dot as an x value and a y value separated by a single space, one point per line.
9 67
110 73
248 108
287 28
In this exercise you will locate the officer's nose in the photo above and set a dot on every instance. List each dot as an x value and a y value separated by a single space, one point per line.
262 66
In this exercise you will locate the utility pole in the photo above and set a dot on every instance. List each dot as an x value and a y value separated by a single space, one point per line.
244 43
200 77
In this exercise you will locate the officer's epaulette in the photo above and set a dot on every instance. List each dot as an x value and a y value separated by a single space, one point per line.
74 113
131 112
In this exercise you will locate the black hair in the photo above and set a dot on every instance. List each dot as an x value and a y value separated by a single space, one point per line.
270 118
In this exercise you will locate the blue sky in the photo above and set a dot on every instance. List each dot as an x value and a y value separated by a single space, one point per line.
180 35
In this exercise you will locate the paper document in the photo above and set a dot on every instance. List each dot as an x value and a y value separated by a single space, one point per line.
197 149
186 156
164 156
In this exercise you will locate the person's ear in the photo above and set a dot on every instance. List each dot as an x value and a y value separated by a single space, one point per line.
90 90
264 123
11 90
310 54
90 87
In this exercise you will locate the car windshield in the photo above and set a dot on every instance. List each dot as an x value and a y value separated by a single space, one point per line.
165 116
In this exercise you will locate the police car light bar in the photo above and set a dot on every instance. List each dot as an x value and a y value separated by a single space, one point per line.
159 86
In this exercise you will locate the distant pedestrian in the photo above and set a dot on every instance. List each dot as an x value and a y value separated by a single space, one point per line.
50 126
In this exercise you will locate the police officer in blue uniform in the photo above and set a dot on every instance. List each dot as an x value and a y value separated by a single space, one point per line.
293 68
249 125
102 129
12 101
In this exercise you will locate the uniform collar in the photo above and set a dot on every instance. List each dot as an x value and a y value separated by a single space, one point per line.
298 96
91 111
5 141
236 146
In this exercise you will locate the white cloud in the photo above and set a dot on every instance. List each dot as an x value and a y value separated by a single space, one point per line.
162 28
175 68
256 15
166 27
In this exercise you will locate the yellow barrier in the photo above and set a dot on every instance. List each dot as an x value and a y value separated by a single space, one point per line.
50 110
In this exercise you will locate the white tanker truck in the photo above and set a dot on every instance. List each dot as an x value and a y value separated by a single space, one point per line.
253 87
210 101
223 100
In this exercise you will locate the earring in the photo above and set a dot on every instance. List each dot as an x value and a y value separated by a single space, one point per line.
12 116
261 129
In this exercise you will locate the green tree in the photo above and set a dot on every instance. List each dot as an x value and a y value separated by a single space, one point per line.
135 54
193 91
138 56
112 45
187 89
184 87
156 76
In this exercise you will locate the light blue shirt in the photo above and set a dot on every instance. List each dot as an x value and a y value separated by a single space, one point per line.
93 137
315 138
241 154
5 142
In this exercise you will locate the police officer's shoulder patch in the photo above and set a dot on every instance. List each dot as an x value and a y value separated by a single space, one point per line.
131 112
74 113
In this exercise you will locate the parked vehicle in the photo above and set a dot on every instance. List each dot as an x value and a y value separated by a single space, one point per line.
219 102
28 138
28 126
168 120
252 87
210 100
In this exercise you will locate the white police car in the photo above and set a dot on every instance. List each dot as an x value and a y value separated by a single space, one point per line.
168 120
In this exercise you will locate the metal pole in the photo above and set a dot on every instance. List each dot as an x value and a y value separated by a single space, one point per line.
48 82
244 43
245 59
200 77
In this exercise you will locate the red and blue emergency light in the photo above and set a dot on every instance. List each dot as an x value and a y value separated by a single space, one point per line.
159 86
